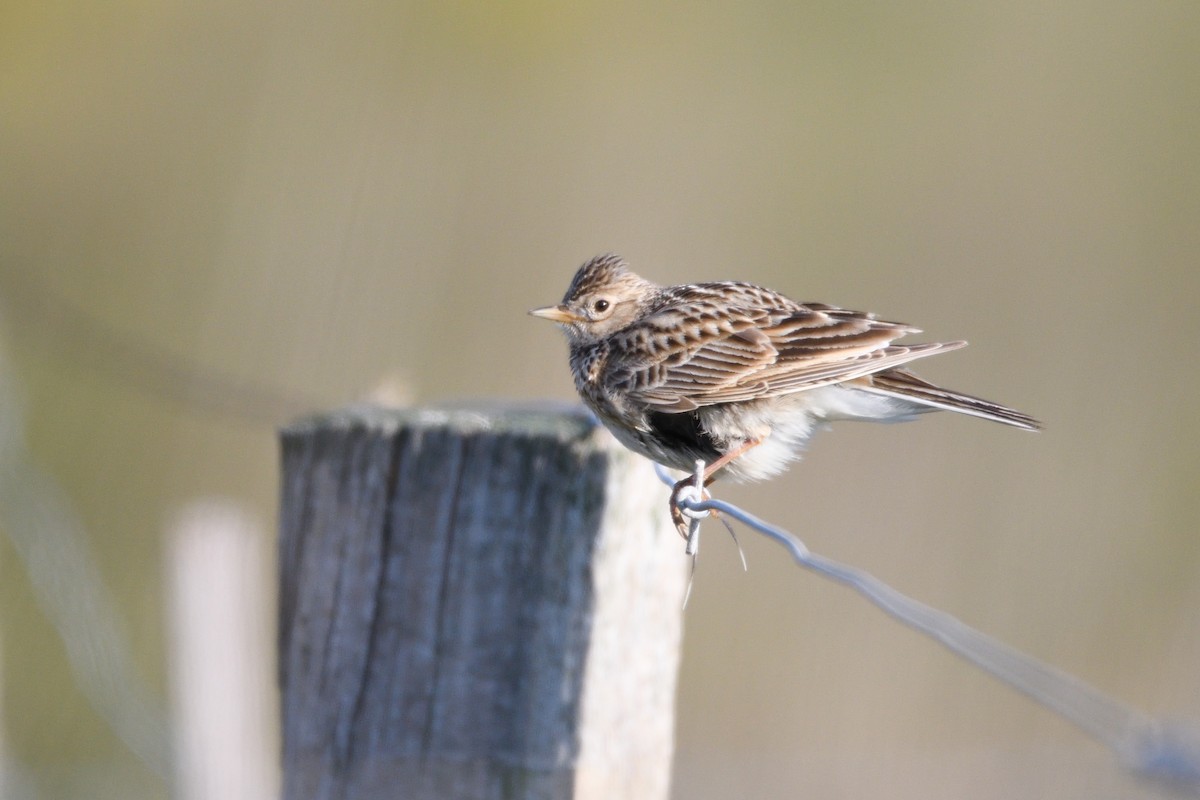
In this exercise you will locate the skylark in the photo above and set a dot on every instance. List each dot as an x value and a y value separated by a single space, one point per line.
735 375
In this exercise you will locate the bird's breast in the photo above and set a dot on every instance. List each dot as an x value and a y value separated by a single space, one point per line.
587 365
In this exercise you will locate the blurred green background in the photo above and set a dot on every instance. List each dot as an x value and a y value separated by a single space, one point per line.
214 217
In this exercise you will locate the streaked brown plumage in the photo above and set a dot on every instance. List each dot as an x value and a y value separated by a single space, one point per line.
734 374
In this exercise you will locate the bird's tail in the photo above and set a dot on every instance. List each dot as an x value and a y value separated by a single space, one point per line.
902 384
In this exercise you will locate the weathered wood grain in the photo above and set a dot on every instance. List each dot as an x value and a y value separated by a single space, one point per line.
474 604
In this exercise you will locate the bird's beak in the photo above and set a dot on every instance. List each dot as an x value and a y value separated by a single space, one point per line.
556 314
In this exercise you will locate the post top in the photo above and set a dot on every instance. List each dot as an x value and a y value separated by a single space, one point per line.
568 421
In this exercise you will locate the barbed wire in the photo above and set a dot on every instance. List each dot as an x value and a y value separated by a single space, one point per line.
1162 750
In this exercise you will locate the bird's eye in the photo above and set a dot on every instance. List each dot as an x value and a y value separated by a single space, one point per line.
600 306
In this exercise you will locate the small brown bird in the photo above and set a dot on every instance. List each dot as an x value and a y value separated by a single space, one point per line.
736 375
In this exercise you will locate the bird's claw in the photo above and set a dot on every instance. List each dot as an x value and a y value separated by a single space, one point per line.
683 517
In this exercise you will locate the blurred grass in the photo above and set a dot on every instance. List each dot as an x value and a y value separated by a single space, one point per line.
315 200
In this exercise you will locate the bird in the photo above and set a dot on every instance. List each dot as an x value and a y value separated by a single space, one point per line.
736 375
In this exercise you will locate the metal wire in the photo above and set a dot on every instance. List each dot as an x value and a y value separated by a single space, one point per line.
1156 749
56 551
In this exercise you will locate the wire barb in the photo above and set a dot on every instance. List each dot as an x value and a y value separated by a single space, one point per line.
687 499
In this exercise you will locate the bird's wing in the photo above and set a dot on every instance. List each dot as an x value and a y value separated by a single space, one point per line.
706 351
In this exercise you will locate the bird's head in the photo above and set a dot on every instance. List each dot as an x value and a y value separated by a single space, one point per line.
604 297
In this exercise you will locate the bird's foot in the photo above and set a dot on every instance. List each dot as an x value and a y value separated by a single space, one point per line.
684 518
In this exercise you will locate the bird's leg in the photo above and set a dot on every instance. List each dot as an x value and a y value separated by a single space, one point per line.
710 472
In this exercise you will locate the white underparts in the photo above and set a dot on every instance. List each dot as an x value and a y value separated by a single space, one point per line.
785 424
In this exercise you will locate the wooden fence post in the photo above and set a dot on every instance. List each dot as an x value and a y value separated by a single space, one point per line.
474 604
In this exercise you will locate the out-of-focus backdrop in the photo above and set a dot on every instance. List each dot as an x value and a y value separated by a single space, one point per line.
214 217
